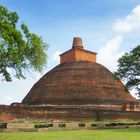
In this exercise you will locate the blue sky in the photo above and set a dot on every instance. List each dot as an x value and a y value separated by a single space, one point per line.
108 27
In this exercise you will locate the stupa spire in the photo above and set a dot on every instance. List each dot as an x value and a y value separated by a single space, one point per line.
77 43
77 53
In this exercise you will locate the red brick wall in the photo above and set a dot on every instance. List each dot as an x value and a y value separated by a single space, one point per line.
78 55
8 113
84 55
69 56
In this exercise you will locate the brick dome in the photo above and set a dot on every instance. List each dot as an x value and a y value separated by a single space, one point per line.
78 83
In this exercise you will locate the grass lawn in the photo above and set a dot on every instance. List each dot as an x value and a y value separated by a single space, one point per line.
109 134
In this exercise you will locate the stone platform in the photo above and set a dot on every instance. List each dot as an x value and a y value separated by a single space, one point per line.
67 113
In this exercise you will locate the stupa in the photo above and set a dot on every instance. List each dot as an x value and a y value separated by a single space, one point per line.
78 80
78 89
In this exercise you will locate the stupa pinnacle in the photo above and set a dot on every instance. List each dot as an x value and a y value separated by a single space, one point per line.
77 43
77 53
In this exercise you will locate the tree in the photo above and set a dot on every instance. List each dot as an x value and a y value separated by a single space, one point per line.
129 69
20 50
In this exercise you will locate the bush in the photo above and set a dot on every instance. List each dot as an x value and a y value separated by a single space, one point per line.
3 125
49 125
111 124
138 123
122 123
82 125
93 125
62 125
43 125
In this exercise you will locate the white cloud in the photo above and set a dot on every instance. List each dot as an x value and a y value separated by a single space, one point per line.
109 54
9 70
15 91
6 99
133 93
56 56
130 23
38 75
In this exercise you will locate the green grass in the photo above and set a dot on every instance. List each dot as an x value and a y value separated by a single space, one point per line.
109 134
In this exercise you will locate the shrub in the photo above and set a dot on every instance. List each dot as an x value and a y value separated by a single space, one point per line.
82 125
43 125
3 125
111 124
49 125
93 125
62 125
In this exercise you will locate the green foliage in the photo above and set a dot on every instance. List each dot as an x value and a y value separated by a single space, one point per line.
19 50
82 124
129 69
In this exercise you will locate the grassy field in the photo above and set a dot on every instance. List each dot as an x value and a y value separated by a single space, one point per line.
110 134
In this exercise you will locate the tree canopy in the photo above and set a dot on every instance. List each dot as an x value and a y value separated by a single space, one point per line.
129 69
20 50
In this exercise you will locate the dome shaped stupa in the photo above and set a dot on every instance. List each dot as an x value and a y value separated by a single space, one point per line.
78 80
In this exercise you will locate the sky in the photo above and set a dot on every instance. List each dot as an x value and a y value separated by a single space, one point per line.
108 27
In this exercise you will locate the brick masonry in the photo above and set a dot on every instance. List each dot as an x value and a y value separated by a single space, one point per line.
66 113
